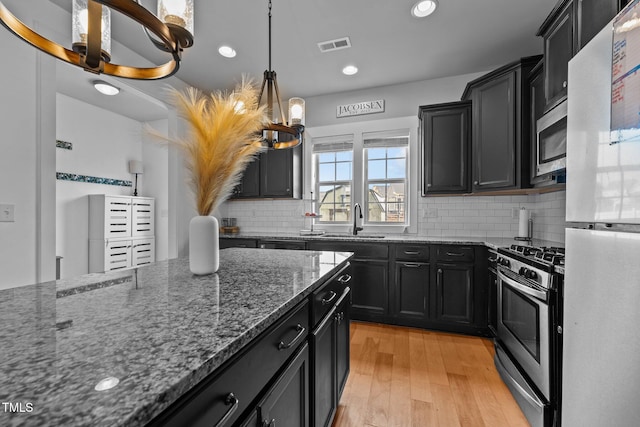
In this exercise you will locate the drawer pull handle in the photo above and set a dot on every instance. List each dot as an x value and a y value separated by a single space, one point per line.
301 330
454 254
411 264
232 400
333 296
344 279
411 252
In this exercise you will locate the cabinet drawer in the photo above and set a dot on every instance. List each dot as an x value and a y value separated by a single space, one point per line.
412 252
328 294
454 253
361 249
235 387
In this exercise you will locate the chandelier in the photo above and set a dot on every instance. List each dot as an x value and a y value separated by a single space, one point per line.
280 134
172 31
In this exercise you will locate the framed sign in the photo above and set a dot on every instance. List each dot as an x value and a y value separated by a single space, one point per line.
360 108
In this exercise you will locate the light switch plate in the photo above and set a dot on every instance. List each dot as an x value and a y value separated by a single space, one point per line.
7 213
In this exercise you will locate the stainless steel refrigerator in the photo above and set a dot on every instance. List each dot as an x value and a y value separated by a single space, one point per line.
601 331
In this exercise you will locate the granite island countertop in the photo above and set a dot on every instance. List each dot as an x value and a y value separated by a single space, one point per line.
158 329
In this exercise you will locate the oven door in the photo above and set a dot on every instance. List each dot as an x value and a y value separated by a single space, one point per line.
523 327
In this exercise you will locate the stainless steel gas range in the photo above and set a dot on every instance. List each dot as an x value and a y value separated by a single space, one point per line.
529 329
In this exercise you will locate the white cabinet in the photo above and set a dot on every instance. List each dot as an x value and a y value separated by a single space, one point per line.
121 232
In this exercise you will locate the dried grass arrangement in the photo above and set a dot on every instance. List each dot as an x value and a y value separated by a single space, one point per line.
224 136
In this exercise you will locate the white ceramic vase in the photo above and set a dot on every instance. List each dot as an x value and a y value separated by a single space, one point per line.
204 248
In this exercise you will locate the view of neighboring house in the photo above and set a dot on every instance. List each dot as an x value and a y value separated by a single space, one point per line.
384 204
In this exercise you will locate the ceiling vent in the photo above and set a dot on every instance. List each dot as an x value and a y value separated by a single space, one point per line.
337 44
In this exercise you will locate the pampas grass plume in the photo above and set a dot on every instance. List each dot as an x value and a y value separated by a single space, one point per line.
224 136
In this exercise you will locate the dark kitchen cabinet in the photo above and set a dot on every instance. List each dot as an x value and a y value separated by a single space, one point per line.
445 139
592 16
274 174
236 242
330 366
569 27
410 290
459 296
558 46
370 285
500 127
287 403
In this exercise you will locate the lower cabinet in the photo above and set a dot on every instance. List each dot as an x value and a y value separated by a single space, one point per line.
286 404
235 242
370 289
116 254
454 293
412 291
330 343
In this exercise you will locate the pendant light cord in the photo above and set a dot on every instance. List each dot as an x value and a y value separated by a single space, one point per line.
270 69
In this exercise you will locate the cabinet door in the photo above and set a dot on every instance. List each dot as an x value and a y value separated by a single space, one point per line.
287 403
117 255
142 216
412 290
592 16
370 289
494 143
445 138
537 102
250 183
324 341
343 336
117 217
275 173
143 252
454 293
558 50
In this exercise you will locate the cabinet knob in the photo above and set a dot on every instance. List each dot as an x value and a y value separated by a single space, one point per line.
475 182
428 185
564 84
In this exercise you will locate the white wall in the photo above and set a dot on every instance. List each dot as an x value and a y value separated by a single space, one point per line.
103 143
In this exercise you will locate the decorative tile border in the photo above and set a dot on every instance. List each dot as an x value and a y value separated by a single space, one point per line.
64 144
62 176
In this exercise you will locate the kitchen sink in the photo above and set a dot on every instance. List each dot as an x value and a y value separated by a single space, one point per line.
362 236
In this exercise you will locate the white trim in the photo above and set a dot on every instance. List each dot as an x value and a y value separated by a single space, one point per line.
358 129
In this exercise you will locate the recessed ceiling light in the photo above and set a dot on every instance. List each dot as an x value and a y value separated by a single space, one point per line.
424 8
105 88
227 51
350 70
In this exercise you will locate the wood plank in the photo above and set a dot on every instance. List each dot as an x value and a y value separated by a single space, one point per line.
437 373
466 405
445 407
450 356
378 404
422 414
400 400
420 387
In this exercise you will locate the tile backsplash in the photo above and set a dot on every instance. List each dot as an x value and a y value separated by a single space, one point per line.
480 216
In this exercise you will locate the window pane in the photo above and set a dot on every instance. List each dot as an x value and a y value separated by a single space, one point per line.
395 212
335 206
395 192
396 168
376 169
375 212
376 153
343 171
326 194
326 157
342 156
396 152
327 172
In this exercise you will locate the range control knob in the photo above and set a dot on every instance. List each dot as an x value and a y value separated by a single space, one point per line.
503 261
523 271
530 274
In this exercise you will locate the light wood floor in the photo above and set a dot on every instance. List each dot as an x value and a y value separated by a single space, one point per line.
410 377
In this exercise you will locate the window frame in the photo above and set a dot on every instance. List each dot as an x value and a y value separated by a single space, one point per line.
360 130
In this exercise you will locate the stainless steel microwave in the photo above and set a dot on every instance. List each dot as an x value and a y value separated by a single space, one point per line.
551 141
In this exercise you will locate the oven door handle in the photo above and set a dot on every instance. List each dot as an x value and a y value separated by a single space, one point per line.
541 295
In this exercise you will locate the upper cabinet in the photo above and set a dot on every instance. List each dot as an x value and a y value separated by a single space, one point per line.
570 26
274 174
500 127
445 138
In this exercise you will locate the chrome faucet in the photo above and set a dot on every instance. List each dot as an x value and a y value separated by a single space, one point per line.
356 207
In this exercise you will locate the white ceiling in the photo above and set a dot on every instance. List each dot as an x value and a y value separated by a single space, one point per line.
389 46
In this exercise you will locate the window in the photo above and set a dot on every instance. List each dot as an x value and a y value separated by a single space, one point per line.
386 179
333 159
370 168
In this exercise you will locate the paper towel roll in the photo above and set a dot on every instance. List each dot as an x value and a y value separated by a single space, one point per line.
523 223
